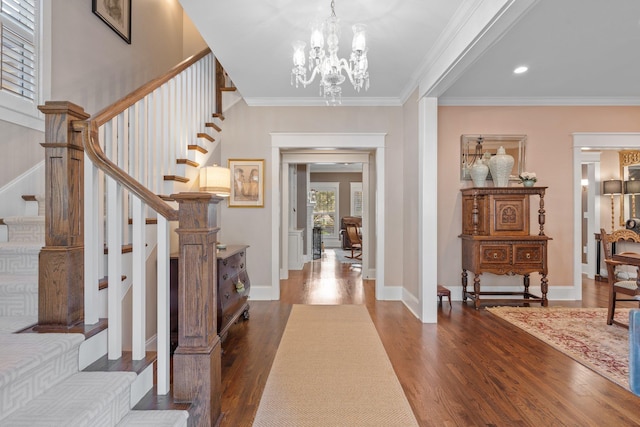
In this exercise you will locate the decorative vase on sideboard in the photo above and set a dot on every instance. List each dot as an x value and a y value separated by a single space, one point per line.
500 166
479 172
528 183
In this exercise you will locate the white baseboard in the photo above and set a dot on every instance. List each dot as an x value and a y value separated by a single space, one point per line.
411 302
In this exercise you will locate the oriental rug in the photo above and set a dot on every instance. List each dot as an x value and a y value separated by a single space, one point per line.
331 369
580 333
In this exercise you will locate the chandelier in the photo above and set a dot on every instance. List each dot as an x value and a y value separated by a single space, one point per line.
327 65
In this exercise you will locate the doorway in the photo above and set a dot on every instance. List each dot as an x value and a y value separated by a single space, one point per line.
367 149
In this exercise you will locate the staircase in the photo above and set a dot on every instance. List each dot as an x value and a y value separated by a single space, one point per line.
19 272
40 378
137 187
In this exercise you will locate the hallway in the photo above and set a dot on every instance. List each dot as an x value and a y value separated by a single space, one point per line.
325 281
471 369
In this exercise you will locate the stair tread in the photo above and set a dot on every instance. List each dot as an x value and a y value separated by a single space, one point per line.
11 324
26 245
11 283
22 353
214 126
206 136
43 360
155 418
176 178
123 364
85 398
24 219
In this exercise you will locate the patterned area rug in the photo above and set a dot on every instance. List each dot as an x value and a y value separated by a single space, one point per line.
580 333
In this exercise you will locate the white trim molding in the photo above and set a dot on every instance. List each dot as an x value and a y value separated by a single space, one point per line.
374 143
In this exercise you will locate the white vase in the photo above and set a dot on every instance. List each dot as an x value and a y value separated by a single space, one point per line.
479 172
500 166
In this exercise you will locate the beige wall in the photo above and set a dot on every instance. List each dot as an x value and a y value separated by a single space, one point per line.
549 154
246 135
410 218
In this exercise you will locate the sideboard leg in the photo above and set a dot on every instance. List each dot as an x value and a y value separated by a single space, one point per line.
464 285
525 282
476 290
544 287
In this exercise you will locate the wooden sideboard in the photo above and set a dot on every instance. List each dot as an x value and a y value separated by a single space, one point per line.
233 287
232 290
496 239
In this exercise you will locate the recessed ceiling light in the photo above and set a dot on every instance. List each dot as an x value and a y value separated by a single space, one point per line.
521 69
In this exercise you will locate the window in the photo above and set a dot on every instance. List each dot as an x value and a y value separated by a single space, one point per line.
325 211
356 199
20 83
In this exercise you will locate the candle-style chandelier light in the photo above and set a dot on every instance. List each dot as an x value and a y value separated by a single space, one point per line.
327 65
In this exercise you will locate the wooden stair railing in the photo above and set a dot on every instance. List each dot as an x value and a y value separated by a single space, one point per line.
131 192
223 84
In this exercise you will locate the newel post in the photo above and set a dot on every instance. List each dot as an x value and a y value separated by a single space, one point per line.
196 361
61 261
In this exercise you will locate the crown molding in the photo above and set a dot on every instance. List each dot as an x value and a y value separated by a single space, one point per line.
539 101
364 101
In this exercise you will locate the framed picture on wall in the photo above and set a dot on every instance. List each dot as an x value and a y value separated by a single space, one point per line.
247 189
116 14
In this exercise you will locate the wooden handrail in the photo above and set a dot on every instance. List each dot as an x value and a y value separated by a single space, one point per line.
127 101
98 157
92 149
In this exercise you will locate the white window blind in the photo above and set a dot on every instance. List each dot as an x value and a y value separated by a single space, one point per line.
18 32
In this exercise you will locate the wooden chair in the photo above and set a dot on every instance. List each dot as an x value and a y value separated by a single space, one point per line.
619 283
356 243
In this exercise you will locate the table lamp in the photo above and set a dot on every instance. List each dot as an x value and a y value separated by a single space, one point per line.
216 179
612 187
632 187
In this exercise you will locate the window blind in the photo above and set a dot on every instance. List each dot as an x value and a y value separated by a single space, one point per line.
18 19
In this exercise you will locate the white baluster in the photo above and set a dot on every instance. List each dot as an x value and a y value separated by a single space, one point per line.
91 243
164 313
114 262
139 280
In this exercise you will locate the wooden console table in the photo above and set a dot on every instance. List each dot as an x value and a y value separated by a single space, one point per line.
233 287
495 239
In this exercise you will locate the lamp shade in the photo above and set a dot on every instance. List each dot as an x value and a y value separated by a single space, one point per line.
632 187
612 186
216 179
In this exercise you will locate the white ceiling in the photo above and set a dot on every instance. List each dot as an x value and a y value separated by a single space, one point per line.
578 51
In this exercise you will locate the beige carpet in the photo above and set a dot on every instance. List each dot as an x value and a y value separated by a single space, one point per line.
332 370
580 333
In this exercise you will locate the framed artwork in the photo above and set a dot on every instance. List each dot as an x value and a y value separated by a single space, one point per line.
116 14
247 189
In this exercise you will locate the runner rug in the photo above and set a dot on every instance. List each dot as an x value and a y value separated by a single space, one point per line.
580 333
332 370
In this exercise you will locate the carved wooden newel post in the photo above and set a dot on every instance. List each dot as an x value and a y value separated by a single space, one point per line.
61 262
196 361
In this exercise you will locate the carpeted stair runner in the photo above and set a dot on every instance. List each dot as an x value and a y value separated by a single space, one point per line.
30 364
19 272
155 419
40 384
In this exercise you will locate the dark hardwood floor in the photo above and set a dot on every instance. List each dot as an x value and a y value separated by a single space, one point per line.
471 369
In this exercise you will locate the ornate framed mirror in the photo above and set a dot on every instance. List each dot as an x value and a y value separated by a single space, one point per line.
629 171
473 147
